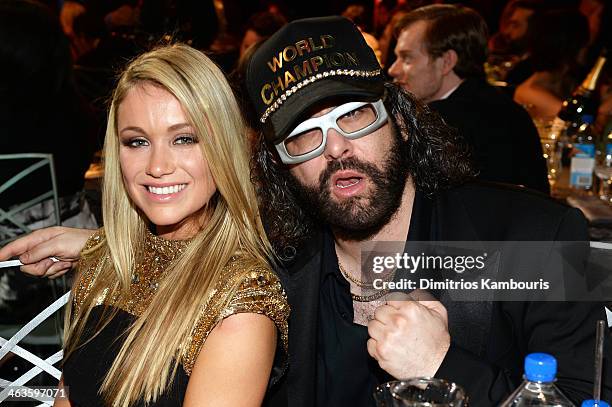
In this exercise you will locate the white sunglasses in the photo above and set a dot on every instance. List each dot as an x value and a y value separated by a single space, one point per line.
352 120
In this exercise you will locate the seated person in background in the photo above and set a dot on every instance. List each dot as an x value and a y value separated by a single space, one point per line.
174 301
599 15
511 43
358 15
387 39
69 11
101 55
40 108
259 27
555 54
440 53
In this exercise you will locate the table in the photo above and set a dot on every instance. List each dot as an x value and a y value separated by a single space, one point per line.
596 211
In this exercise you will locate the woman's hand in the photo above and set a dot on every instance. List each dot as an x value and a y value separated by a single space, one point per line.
36 249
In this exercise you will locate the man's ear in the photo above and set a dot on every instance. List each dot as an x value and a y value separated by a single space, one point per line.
449 60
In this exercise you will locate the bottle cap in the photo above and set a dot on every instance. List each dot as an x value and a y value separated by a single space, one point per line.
588 118
540 367
593 403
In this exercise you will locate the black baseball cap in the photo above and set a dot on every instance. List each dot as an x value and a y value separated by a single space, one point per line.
306 62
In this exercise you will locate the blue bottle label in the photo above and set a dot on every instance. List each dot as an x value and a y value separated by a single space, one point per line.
581 171
581 179
584 150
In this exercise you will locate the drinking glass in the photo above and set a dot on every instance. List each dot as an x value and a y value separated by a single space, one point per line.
604 181
420 392
550 148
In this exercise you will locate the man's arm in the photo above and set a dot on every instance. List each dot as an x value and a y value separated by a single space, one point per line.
484 383
565 330
34 250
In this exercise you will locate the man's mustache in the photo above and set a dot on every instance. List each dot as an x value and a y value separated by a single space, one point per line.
351 163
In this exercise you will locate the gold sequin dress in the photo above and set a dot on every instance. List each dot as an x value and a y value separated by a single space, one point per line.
259 291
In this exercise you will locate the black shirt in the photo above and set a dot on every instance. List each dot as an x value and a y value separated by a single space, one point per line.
85 369
346 374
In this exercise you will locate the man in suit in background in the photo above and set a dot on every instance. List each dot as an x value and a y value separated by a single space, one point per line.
440 53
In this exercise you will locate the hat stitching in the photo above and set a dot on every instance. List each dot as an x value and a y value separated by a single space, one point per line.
342 72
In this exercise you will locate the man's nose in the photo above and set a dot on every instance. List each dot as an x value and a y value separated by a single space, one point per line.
394 69
337 146
161 162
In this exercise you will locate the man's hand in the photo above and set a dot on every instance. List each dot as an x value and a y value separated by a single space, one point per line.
409 338
34 250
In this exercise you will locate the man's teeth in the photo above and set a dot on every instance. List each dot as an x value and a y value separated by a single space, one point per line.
350 184
166 190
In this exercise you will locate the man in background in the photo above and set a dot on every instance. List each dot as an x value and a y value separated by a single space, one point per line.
440 53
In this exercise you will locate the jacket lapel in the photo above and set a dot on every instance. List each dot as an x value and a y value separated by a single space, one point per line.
301 282
469 321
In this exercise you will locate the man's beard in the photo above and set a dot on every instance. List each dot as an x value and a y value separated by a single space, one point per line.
517 46
360 217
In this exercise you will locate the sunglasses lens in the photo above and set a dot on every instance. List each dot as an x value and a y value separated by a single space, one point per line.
357 119
304 142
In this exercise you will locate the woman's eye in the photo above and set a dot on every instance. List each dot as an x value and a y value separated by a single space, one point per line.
185 139
135 142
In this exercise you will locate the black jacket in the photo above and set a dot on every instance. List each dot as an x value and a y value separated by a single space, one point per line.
503 138
489 340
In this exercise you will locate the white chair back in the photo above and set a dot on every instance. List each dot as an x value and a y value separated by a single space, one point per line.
14 221
40 365
26 164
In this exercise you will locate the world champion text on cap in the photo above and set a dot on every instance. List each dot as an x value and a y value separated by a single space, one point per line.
294 73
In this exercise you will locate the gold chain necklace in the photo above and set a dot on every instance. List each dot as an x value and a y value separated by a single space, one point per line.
352 279
359 283
368 298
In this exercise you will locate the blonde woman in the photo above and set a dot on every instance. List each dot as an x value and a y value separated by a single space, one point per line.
174 302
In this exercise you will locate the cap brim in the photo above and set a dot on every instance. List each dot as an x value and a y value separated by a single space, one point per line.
292 111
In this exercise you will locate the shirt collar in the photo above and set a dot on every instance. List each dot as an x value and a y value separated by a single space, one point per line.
450 92
329 257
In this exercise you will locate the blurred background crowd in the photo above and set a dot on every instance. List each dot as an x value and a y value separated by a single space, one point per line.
59 61
60 58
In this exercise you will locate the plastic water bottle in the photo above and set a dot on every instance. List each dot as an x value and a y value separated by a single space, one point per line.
538 389
583 161
593 403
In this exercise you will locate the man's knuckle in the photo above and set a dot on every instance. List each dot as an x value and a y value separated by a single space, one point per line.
385 348
397 320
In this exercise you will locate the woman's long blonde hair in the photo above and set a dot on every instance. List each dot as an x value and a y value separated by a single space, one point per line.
150 355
